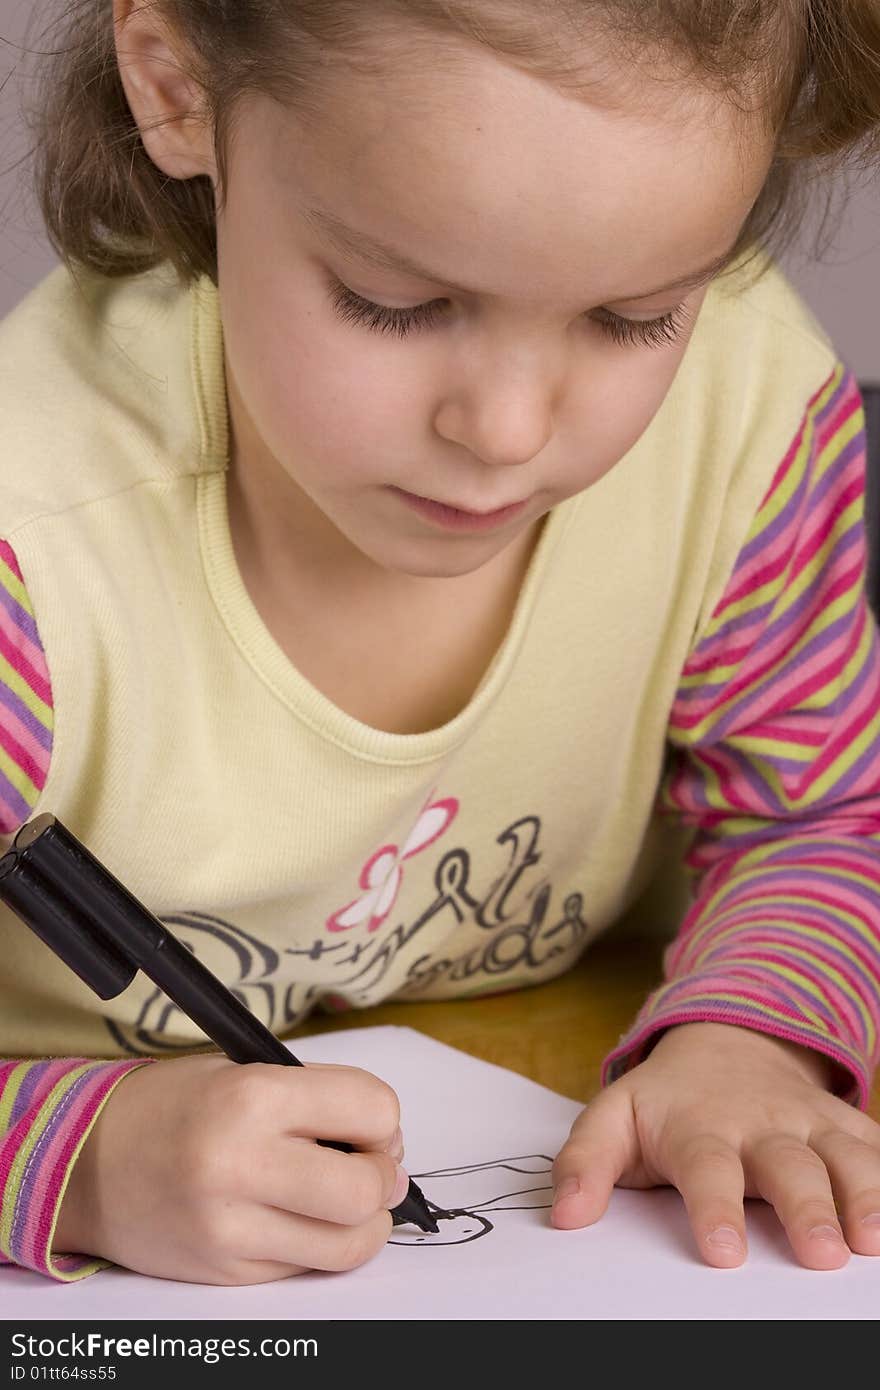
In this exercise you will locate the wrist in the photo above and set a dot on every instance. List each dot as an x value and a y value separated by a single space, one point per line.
75 1227
813 1065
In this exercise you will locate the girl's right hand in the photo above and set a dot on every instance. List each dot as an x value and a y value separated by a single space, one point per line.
205 1170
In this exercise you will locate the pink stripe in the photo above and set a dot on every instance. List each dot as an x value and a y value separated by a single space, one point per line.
8 558
16 638
36 772
758 663
20 734
55 1160
755 666
742 914
846 899
633 1044
800 684
818 526
11 1141
832 996
34 678
849 403
859 715
752 934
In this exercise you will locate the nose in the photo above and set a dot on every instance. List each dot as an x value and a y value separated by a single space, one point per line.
502 409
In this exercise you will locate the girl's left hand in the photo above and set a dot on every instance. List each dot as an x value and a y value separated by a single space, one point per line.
722 1112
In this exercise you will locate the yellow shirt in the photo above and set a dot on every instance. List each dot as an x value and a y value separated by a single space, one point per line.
305 857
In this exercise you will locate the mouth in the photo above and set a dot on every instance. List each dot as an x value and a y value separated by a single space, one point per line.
453 518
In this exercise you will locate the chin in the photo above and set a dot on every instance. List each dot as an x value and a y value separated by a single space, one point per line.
426 561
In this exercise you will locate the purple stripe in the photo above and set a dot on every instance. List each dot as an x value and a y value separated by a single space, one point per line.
870 758
816 915
738 767
29 1085
835 400
767 985
769 533
33 1168
779 523
18 808
808 845
837 710
811 595
19 615
747 618
831 478
785 620
33 725
859 983
772 872
739 711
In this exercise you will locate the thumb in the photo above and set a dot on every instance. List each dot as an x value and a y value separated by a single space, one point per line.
601 1145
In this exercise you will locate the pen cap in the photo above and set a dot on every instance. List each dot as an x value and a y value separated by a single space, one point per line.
96 961
63 862
129 929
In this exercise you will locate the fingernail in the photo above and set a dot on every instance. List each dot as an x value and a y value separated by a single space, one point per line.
873 1219
724 1238
401 1187
826 1233
566 1188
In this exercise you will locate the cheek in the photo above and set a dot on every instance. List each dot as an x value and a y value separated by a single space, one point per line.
619 404
317 390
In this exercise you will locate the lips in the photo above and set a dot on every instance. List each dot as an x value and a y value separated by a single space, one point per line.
456 518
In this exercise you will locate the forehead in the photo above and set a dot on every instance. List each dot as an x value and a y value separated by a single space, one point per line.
500 180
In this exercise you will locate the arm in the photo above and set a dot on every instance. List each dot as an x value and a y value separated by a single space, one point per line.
48 1107
775 760
47 1110
723 1087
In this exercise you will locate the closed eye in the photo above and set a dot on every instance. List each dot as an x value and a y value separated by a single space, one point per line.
380 318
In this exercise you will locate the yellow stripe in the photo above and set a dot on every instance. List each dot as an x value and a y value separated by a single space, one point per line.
822 620
13 1086
13 586
762 1009
837 442
781 496
712 933
16 775
845 760
35 1133
26 693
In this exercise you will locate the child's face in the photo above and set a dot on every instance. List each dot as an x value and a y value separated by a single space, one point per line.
548 212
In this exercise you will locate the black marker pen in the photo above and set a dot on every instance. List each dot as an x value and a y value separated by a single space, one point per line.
98 928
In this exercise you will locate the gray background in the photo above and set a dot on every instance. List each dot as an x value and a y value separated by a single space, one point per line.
843 287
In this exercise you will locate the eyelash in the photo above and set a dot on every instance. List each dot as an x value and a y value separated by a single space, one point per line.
379 318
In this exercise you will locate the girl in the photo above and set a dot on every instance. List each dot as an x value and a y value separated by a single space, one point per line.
417 475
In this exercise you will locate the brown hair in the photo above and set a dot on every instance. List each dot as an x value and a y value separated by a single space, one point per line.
813 67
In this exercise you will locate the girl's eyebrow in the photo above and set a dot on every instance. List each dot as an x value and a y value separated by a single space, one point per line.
351 242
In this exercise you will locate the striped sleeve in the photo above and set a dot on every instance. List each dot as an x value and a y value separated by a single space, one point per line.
774 759
47 1110
26 715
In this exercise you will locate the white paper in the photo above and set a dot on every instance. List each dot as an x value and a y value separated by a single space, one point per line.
488 1136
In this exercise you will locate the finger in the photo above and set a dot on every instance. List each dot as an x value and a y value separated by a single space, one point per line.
395 1148
299 1243
342 1103
602 1143
854 1169
708 1173
298 1176
792 1177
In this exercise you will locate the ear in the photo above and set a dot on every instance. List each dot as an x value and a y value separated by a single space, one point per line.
165 102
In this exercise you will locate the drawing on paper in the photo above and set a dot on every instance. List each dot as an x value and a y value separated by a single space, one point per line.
471 1192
